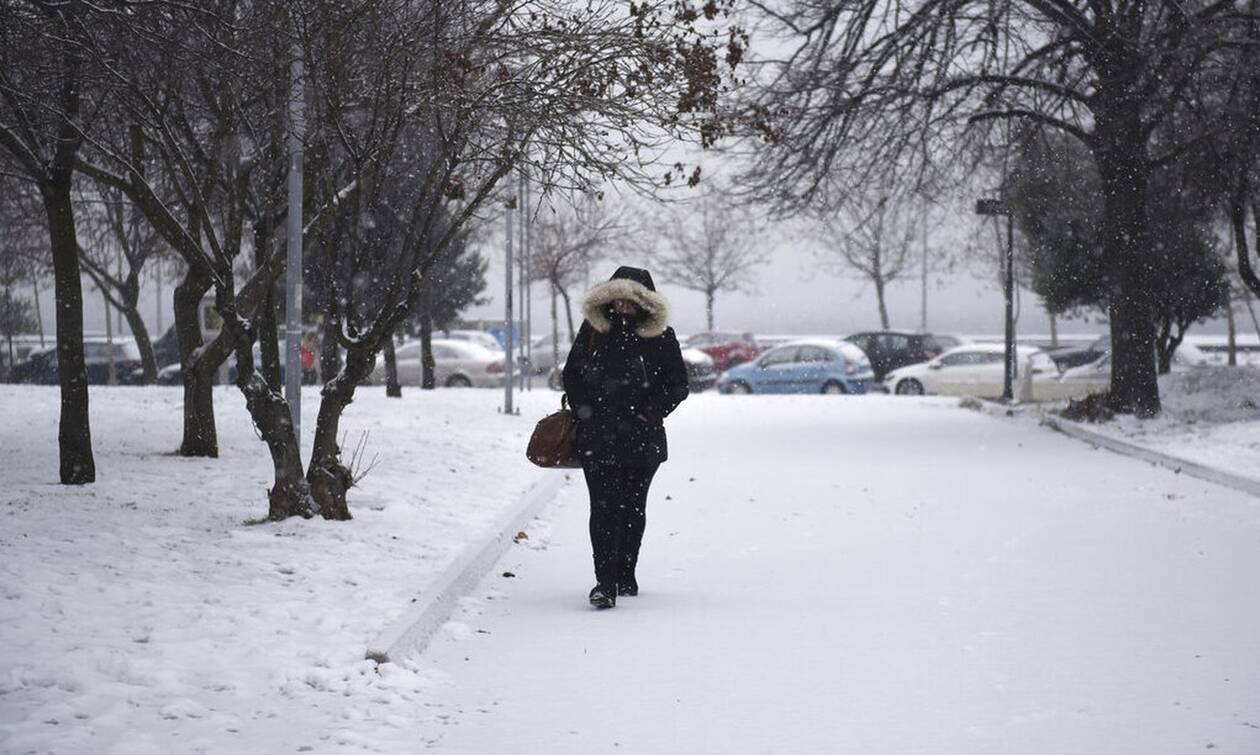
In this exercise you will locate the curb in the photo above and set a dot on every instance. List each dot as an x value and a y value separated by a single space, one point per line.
411 632
1125 448
1176 464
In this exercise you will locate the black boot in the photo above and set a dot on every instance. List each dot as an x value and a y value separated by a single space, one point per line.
604 596
628 587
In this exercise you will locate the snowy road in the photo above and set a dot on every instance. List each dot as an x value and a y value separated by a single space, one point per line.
872 575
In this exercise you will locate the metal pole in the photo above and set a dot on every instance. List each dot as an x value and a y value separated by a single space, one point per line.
923 283
293 259
507 301
521 284
1008 379
529 299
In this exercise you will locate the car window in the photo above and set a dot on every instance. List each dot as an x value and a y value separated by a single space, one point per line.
893 342
958 359
782 355
990 357
862 341
442 351
410 351
814 354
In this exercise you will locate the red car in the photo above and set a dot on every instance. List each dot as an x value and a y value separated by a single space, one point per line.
726 349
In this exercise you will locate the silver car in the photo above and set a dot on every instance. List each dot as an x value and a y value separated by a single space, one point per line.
456 364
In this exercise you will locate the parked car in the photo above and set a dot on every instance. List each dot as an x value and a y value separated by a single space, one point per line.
811 366
891 349
479 337
726 349
970 370
1096 376
541 357
456 364
1067 357
40 365
701 373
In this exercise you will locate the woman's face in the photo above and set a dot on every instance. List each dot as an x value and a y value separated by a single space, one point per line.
625 307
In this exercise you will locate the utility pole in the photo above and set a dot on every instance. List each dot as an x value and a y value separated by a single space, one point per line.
293 258
507 299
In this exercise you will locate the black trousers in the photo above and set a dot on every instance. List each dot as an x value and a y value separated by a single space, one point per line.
618 517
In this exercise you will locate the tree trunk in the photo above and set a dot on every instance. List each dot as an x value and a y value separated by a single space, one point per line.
1164 346
878 280
568 310
1232 339
291 494
393 388
143 342
708 308
39 314
111 364
555 329
328 477
74 434
428 378
329 351
1120 154
200 437
265 316
1054 330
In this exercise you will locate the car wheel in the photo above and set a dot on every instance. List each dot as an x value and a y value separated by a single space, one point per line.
458 381
909 387
834 388
740 388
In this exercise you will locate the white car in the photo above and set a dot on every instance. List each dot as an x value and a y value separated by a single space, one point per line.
456 364
1095 376
479 337
975 369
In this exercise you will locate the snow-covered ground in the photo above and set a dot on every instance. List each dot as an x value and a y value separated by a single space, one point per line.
1210 416
142 614
820 574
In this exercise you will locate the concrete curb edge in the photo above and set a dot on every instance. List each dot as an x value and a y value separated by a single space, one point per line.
1125 448
1168 461
411 632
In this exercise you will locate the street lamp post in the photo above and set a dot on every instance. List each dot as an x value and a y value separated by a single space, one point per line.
994 207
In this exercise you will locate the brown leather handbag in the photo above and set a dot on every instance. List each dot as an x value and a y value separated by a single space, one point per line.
554 442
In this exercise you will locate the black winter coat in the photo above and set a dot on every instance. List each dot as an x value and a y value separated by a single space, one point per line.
621 386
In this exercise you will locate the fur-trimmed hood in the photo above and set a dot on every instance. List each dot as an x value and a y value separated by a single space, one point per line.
634 284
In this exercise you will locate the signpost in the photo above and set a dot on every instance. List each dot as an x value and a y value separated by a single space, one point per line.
993 207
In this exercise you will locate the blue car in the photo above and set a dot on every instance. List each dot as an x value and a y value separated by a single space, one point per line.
814 366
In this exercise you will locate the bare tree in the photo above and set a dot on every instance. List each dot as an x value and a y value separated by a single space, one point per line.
905 88
116 231
565 240
47 100
712 248
872 235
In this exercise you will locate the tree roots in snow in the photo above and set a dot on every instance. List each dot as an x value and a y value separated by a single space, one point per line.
1093 408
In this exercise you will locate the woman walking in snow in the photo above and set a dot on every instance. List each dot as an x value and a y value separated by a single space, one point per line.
625 374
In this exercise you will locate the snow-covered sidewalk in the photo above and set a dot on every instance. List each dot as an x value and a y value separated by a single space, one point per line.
873 575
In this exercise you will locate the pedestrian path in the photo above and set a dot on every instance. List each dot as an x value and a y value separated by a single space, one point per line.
871 575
